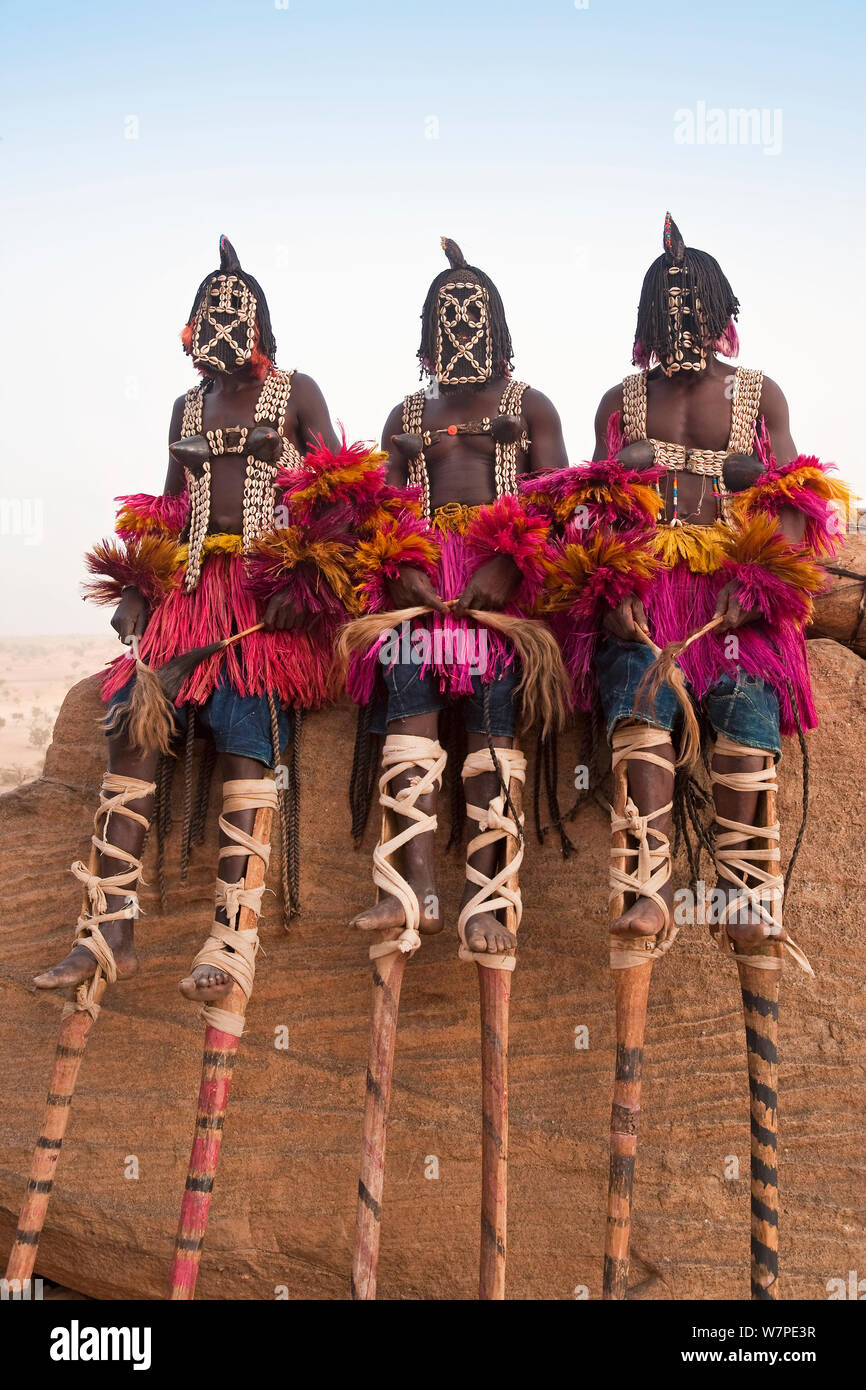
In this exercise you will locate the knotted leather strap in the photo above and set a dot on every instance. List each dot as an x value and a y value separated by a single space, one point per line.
755 872
230 948
400 754
494 823
116 791
651 862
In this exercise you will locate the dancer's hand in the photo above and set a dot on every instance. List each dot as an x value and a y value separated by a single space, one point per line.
284 615
412 589
490 587
623 621
729 606
129 618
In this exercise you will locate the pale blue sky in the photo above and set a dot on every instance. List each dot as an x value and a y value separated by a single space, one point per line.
334 143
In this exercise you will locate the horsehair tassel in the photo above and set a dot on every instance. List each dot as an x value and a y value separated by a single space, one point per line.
75 1028
220 1047
665 671
147 717
544 685
494 988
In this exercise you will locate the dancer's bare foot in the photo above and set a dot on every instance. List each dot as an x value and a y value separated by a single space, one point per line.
747 933
486 934
388 914
79 965
644 917
206 983
747 928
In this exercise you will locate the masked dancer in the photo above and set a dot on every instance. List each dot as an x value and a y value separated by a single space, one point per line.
443 666
229 586
698 528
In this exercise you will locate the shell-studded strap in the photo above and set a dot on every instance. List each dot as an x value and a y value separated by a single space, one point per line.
413 413
506 454
634 406
272 405
193 412
413 423
745 407
512 397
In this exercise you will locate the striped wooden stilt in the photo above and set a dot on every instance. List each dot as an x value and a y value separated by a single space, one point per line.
759 986
213 1096
632 987
632 993
74 1032
760 991
387 981
75 1026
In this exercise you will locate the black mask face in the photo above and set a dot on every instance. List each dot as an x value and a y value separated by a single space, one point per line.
687 321
224 327
687 324
463 348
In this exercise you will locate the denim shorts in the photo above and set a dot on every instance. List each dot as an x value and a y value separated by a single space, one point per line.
238 724
407 692
743 707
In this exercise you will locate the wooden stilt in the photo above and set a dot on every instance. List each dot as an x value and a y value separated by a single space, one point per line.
632 993
74 1032
495 994
759 986
389 966
216 1079
631 986
387 981
760 991
75 1028
495 997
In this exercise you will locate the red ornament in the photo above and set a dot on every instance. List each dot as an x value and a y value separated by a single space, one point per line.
452 429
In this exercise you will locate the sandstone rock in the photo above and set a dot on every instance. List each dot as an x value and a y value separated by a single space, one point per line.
840 613
284 1203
